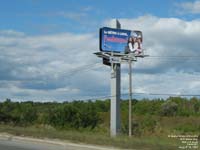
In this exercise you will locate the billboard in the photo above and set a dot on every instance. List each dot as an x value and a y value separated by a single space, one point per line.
120 40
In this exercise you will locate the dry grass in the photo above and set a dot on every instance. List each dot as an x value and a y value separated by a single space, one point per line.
148 142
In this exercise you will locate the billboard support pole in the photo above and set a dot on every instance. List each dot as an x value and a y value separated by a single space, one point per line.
115 95
130 98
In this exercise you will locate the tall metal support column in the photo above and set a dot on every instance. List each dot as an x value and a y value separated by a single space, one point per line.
115 96
130 99
115 100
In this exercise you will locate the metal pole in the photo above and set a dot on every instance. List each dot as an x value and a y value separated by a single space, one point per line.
115 96
130 97
115 100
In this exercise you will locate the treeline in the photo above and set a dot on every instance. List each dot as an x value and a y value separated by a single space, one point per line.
173 106
90 114
77 114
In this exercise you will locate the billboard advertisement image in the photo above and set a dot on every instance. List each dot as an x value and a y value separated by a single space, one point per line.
120 40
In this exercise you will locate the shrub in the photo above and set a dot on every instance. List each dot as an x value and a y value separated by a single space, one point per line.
169 108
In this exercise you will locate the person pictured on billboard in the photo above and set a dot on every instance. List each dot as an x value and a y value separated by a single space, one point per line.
131 44
137 45
134 44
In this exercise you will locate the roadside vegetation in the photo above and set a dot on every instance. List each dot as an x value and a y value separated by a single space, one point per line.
88 121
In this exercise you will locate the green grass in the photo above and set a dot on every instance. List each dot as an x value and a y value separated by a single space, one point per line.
89 137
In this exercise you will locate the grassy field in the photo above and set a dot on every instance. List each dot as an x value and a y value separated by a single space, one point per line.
146 142
88 122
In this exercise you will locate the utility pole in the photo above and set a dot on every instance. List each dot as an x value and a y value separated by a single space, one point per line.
130 98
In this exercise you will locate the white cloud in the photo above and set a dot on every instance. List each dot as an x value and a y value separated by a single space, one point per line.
165 37
11 33
51 66
189 7
46 62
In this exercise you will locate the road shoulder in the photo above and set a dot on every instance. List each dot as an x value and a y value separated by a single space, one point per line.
9 137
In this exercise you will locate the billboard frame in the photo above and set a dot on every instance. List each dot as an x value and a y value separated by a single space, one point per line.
118 39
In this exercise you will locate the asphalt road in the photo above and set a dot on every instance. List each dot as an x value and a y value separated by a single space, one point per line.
26 145
16 144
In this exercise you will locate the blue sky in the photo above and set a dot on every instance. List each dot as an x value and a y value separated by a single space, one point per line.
47 47
51 16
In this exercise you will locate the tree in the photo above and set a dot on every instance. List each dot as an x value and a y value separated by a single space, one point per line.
169 108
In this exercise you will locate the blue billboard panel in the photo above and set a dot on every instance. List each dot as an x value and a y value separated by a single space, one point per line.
119 40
